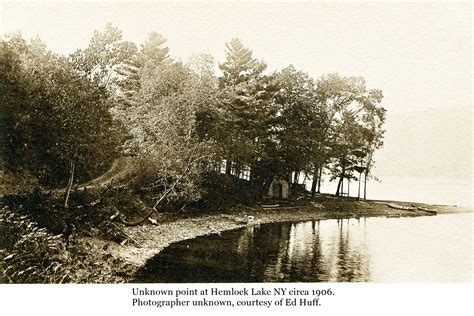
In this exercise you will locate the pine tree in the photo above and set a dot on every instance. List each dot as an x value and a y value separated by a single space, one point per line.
243 106
239 66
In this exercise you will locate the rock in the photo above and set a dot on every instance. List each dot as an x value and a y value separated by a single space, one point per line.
152 221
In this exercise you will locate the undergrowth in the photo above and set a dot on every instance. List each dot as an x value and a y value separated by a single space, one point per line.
42 242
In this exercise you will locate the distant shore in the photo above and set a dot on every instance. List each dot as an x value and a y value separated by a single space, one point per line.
150 239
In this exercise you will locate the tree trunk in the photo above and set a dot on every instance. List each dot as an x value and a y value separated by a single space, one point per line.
315 181
342 187
366 173
339 186
238 169
296 177
70 182
320 175
365 186
227 166
358 193
341 179
252 168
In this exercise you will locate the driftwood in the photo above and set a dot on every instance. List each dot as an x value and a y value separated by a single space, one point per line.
127 236
133 223
214 230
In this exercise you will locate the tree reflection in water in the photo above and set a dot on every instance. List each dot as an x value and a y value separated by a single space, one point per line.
314 251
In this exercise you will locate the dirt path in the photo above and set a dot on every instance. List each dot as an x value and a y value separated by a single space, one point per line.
120 168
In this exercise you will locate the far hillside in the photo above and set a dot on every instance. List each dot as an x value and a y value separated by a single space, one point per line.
423 137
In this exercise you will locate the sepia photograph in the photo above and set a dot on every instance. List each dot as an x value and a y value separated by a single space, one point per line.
235 142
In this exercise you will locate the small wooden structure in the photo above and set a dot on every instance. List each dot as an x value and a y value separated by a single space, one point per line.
279 188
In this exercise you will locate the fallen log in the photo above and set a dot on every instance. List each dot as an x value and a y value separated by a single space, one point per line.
163 196
127 235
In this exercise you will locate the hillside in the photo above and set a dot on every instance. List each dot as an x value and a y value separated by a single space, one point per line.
427 144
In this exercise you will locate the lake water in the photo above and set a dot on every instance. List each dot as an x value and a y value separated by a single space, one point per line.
416 249
432 191
446 191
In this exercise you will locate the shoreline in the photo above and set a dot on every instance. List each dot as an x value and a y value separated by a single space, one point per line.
172 228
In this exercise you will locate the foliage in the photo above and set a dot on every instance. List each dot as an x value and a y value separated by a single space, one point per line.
34 255
292 144
30 254
351 120
105 59
243 108
70 117
220 192
239 66
162 122
88 214
52 116
60 112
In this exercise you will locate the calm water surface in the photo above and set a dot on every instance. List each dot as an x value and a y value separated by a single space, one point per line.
418 249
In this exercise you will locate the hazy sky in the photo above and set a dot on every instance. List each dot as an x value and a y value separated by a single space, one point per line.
419 54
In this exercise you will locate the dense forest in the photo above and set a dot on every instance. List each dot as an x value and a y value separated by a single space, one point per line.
195 135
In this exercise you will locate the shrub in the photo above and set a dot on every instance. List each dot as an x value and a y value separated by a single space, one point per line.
40 208
30 254
34 255
223 191
85 216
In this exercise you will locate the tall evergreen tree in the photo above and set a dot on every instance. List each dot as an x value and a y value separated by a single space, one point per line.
240 66
293 125
243 106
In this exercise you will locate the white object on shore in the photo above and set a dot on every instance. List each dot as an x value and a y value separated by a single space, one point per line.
248 219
